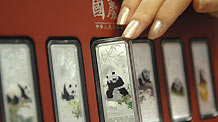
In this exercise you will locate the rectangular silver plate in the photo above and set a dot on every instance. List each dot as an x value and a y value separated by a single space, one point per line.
203 77
145 77
67 83
176 80
17 83
116 83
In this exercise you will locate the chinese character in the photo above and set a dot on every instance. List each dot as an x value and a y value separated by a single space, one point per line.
98 8
112 10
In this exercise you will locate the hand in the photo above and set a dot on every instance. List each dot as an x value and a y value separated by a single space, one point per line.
139 14
206 6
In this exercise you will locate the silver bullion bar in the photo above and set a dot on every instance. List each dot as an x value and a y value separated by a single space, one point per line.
145 78
203 78
67 83
116 82
17 83
176 80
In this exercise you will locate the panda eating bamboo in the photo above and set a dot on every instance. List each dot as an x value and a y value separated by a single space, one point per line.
116 88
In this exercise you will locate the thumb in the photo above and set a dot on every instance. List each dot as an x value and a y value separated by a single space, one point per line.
205 6
215 14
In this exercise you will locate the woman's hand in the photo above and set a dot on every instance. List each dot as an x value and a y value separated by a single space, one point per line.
206 6
139 14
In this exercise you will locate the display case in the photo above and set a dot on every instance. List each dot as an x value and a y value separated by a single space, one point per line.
85 20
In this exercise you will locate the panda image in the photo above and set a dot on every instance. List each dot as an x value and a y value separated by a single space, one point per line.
17 94
69 91
177 87
145 84
116 88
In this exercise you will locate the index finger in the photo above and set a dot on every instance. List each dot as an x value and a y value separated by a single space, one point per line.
205 6
127 9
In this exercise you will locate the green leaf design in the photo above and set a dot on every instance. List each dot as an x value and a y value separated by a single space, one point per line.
126 99
76 108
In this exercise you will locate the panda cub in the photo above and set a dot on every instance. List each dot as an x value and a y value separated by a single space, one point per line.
144 83
17 93
116 88
69 91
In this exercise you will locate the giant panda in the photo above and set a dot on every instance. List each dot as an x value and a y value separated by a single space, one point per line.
144 84
17 93
69 91
177 87
116 88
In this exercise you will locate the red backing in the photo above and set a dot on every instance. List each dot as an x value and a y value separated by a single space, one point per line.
44 18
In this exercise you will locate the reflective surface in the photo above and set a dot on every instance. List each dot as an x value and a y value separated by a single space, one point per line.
203 78
67 83
17 83
176 81
116 81
146 82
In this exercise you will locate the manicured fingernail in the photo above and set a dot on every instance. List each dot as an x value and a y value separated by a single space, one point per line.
123 15
130 29
203 4
155 30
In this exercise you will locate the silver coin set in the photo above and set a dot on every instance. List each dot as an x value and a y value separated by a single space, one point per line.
125 75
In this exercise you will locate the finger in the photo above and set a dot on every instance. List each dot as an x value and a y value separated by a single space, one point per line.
127 9
215 14
166 16
142 17
205 6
